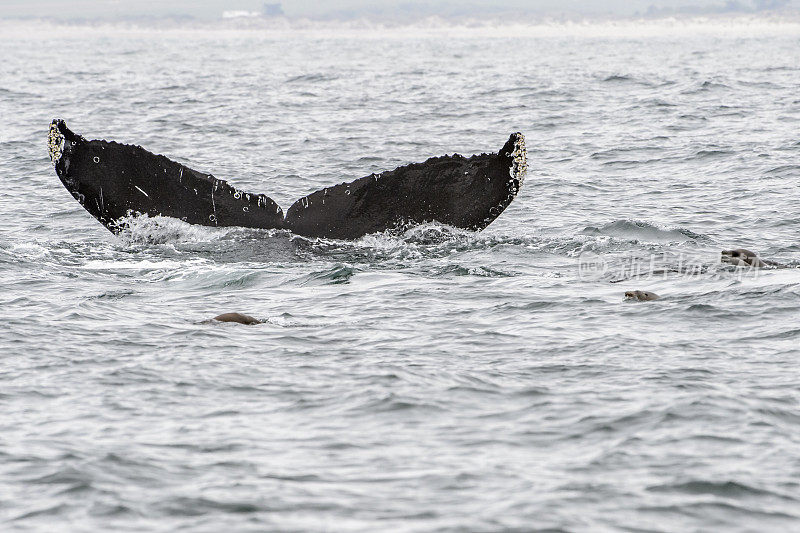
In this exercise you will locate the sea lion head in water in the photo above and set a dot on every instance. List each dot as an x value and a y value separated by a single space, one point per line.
641 296
742 257
239 318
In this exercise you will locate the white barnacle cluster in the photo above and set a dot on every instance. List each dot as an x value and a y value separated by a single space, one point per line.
55 143
519 159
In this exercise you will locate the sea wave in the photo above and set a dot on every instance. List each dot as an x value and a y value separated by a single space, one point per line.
642 231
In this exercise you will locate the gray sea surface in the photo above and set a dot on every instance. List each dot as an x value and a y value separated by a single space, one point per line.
435 380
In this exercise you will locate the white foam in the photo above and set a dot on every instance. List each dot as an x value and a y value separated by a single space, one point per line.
29 250
146 264
161 230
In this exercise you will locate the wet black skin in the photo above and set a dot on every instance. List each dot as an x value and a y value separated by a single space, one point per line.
113 180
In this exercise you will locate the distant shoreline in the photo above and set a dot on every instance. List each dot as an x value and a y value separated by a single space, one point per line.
738 25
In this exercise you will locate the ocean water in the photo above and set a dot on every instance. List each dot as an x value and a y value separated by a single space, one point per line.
438 380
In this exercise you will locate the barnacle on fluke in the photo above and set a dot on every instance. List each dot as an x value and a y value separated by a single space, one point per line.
113 181
55 142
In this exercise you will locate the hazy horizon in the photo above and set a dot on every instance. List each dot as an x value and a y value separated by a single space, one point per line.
386 9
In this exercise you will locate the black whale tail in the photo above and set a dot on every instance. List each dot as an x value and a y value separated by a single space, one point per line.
112 181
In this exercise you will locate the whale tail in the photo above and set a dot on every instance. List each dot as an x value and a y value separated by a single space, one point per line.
112 181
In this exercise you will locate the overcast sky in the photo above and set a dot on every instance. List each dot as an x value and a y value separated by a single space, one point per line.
210 9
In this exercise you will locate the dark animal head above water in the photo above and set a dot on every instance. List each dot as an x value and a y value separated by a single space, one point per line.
641 296
112 181
742 257
239 318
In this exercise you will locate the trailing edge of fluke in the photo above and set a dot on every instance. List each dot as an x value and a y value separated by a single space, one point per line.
113 181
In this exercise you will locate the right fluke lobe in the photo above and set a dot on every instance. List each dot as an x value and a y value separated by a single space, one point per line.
465 192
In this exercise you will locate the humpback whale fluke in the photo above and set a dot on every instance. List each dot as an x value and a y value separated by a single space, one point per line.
112 181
